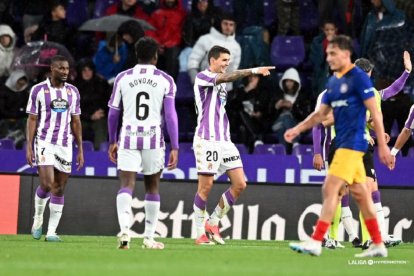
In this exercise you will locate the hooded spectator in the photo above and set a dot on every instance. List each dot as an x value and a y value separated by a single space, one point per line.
130 31
7 47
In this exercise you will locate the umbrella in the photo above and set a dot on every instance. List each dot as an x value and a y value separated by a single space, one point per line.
111 23
34 57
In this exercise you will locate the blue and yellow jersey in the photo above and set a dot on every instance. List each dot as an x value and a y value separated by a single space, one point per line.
346 94
378 101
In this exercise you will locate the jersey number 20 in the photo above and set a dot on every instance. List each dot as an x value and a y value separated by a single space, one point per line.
142 108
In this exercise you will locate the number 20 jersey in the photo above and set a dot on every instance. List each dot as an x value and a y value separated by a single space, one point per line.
139 93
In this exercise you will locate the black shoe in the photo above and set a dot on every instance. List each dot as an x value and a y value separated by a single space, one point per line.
366 244
356 243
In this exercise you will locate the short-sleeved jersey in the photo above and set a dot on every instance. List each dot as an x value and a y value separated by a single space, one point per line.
409 123
54 107
139 92
346 95
210 100
378 101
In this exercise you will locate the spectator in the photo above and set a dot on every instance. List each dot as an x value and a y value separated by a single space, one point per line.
289 106
197 23
288 17
13 99
130 31
385 36
248 110
339 9
248 13
34 11
53 26
168 21
222 34
94 96
7 49
317 57
110 57
129 8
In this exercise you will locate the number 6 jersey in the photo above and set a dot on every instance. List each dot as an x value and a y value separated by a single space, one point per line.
139 93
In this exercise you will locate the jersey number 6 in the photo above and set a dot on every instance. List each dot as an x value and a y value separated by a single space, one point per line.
142 108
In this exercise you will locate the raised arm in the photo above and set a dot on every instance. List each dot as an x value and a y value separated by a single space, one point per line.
399 83
238 74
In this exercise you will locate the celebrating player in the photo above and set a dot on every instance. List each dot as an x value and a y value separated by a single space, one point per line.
349 94
54 114
213 149
144 95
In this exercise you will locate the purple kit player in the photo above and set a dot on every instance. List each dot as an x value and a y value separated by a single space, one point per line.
144 95
54 114
213 149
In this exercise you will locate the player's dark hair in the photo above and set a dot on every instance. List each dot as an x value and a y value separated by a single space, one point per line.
215 52
58 58
146 48
364 64
343 42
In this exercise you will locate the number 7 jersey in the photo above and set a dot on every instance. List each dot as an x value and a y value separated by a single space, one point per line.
139 93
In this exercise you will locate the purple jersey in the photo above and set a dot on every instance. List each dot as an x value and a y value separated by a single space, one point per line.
54 107
210 99
410 120
139 92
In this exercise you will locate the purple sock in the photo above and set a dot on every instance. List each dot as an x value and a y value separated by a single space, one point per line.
376 196
152 197
199 202
125 190
41 193
345 201
229 197
57 199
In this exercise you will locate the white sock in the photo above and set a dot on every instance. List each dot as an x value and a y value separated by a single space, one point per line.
347 221
152 209
40 205
219 212
381 220
55 215
123 207
199 217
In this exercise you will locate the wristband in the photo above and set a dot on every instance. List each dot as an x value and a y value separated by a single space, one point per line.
394 151
255 71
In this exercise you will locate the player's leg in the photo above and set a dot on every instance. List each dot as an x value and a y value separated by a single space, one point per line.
152 166
129 163
123 206
333 242
42 196
227 200
330 191
152 208
362 196
208 156
347 220
57 201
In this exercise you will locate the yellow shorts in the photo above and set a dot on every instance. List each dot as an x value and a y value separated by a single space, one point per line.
348 165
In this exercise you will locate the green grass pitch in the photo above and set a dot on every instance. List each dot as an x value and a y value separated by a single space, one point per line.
87 255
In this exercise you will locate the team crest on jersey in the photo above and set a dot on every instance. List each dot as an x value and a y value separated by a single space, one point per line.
222 93
59 105
68 91
47 91
343 88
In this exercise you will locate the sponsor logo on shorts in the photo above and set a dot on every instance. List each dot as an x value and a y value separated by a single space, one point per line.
62 161
231 158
